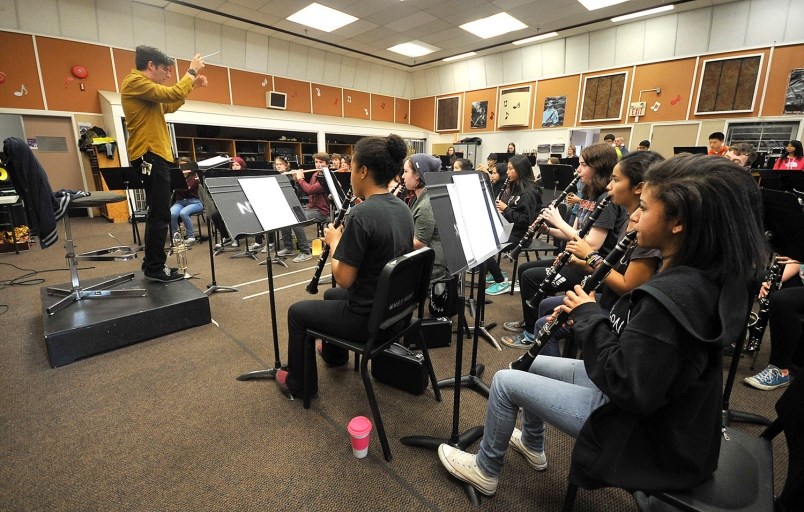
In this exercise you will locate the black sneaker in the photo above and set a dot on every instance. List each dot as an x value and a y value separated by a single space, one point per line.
166 275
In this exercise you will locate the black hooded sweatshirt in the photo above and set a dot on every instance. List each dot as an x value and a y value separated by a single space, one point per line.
658 358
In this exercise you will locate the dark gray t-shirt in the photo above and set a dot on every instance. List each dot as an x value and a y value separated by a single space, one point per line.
377 230
426 231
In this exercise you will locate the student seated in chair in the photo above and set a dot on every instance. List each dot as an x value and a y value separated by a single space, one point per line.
378 230
186 204
644 403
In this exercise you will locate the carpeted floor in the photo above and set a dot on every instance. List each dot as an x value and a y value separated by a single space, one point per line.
163 424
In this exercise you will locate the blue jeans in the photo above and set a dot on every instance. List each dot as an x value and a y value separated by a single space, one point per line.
184 208
555 390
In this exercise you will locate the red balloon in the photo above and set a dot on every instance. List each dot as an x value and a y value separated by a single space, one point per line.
80 72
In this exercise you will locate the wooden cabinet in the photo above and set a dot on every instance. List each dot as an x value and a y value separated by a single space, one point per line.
341 149
115 212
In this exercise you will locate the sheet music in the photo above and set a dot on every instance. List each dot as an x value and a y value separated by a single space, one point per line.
333 188
460 225
214 162
268 202
476 216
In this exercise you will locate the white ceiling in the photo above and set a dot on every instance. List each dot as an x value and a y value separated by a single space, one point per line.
385 23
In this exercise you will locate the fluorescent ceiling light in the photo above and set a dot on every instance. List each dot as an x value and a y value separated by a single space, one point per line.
461 56
413 48
536 38
591 5
321 18
642 13
494 26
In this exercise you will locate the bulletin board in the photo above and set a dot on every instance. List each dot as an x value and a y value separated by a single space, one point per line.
514 107
248 89
65 91
327 100
480 110
729 85
218 89
356 104
20 87
785 60
675 80
298 99
401 111
382 108
565 86
422 113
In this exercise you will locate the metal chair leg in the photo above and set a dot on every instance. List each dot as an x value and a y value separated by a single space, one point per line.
375 409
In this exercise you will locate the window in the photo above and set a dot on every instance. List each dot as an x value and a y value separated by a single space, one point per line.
763 135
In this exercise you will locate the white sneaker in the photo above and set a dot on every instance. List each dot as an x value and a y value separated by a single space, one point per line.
190 241
254 247
235 243
302 256
264 249
537 460
463 466
286 252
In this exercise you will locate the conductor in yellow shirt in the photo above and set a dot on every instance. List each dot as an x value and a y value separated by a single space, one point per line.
146 100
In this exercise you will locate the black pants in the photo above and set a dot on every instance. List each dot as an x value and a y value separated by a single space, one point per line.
157 220
784 321
531 275
331 315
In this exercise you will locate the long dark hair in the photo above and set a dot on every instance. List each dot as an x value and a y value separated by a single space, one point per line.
524 170
633 165
602 158
719 206
382 156
796 144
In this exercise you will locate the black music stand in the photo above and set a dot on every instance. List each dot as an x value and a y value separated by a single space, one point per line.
463 252
210 208
128 179
253 206
556 177
783 218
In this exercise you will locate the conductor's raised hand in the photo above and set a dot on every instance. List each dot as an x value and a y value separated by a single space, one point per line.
197 63
201 81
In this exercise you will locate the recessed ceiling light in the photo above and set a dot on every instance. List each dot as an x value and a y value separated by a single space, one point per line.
413 48
639 14
591 5
494 26
461 56
321 18
536 38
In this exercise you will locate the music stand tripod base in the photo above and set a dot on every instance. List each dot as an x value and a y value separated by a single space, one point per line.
116 253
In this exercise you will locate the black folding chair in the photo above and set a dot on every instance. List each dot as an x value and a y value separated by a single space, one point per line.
401 290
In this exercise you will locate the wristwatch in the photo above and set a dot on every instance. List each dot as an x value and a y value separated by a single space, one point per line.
192 72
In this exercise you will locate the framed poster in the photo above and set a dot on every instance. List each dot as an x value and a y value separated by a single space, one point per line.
514 107
794 100
729 85
553 114
479 113
448 113
603 97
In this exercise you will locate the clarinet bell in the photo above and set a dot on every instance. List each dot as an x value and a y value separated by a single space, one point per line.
523 363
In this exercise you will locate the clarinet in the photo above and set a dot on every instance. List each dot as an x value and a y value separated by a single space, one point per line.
502 190
759 320
312 286
399 190
562 259
590 282
539 222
